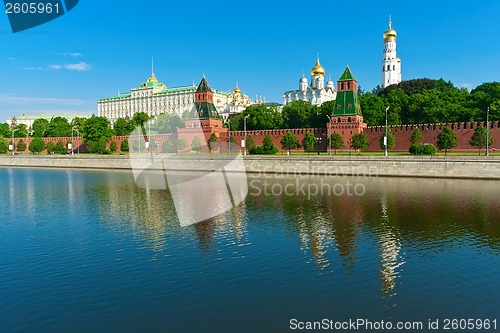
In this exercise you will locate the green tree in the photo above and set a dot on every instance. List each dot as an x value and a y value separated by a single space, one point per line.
140 118
4 146
447 139
478 139
37 145
213 142
260 118
78 123
21 146
102 146
181 145
94 130
289 142
166 146
5 130
309 142
138 146
337 141
300 114
250 142
267 148
373 108
416 137
59 147
391 140
39 127
123 127
113 146
50 147
58 127
124 146
21 131
359 141
167 123
196 144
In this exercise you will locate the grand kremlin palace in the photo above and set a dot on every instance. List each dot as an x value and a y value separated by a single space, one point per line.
154 98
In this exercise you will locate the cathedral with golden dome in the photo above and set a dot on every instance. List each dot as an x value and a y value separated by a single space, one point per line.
391 65
316 92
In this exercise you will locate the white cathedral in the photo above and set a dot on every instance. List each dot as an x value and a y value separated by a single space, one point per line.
391 65
317 92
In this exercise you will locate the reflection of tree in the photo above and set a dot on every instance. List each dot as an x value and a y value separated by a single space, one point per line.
149 213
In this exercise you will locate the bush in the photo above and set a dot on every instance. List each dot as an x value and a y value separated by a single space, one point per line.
417 149
113 146
429 149
166 146
124 147
3 145
21 146
59 147
50 147
423 149
268 148
37 145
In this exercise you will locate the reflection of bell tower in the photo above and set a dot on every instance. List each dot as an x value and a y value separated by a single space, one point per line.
390 248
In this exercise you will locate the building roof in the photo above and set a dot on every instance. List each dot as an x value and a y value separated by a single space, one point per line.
347 75
204 86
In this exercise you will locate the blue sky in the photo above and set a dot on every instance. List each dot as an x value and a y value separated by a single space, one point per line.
101 47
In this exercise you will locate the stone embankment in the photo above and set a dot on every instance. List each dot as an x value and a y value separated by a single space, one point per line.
464 167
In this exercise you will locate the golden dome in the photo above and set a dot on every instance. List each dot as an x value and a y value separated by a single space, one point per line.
153 78
236 90
390 34
317 70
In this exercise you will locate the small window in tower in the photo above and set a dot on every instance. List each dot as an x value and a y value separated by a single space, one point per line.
350 107
388 67
338 120
394 67
339 106
348 85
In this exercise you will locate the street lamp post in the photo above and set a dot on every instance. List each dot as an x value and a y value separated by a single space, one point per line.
228 135
72 141
245 130
78 148
385 137
13 131
487 131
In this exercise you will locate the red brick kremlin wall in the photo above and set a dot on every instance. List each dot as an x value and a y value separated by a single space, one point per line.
402 134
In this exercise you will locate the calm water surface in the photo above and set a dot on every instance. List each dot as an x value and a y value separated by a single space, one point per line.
85 251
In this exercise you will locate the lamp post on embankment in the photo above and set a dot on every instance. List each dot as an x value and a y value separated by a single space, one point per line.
385 136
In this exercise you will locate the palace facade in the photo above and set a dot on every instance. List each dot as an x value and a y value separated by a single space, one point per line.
154 98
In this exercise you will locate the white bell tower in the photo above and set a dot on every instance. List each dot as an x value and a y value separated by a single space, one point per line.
391 65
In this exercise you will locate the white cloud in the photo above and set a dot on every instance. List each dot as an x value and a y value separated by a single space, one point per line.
469 86
32 68
79 67
23 100
72 55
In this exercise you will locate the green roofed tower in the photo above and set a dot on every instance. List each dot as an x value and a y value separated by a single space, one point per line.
204 102
347 101
346 118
